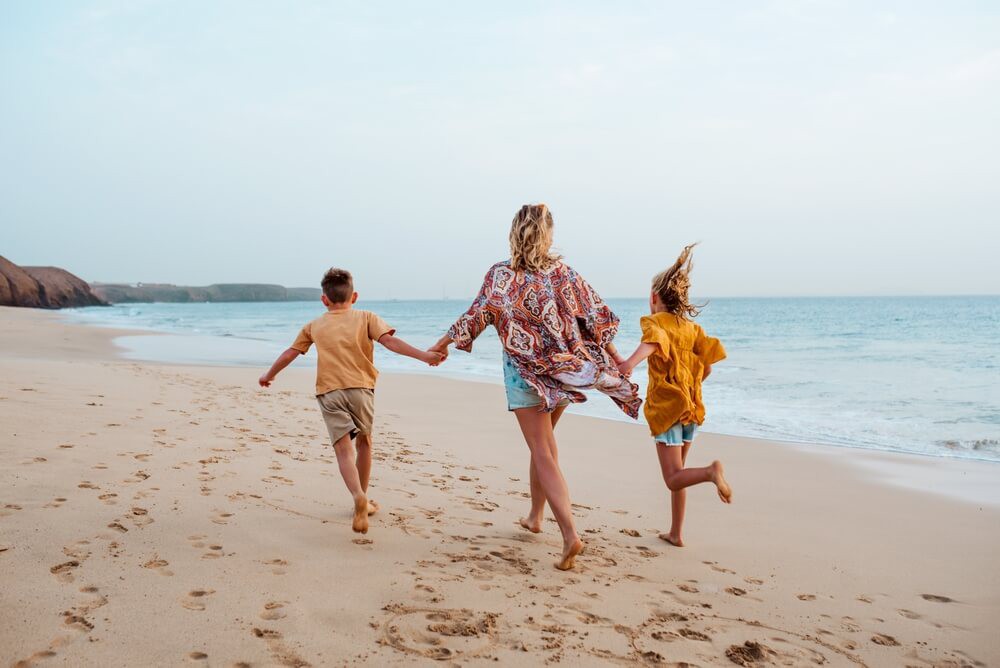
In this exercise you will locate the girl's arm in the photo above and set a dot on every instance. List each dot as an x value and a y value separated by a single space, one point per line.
401 347
642 352
613 352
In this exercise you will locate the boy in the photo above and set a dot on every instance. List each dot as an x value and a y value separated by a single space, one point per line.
345 379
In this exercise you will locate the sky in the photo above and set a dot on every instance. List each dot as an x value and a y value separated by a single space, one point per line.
812 147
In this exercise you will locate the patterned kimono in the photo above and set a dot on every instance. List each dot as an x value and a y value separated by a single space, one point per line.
554 327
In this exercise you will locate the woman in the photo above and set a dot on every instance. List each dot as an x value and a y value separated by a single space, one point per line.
556 334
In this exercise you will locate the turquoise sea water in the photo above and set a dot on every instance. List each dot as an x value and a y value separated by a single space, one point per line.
911 374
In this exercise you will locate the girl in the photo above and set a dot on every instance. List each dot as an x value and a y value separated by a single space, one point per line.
680 358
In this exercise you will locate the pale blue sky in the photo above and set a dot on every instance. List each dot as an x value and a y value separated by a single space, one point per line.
813 147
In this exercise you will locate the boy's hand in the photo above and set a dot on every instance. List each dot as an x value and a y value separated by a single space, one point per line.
265 380
440 350
433 358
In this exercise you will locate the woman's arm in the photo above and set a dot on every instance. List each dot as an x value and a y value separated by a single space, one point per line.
613 352
642 352
470 324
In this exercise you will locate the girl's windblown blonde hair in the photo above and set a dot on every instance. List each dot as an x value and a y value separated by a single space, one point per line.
531 239
672 286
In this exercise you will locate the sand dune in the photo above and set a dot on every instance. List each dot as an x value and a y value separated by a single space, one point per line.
163 515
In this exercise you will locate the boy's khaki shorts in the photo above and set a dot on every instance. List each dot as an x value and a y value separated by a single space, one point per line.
348 412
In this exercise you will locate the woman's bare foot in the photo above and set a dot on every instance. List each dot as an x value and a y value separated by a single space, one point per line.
725 491
360 523
569 554
373 507
532 526
673 540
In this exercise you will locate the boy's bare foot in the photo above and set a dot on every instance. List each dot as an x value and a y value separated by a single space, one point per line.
725 491
373 507
673 540
533 527
360 523
569 555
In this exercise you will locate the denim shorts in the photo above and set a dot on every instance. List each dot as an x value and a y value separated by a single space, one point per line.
679 434
519 393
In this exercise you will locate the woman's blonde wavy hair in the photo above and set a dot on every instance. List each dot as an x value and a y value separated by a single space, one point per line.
531 239
672 286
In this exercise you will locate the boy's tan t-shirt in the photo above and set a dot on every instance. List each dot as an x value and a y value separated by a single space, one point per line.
345 346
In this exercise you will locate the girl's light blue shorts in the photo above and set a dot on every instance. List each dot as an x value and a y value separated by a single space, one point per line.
519 393
679 434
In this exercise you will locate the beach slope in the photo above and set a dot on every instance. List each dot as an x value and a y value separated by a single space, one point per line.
157 515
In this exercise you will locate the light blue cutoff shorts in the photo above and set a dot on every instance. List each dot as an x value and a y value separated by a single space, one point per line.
679 434
519 393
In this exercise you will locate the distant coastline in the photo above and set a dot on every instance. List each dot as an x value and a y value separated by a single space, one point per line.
125 293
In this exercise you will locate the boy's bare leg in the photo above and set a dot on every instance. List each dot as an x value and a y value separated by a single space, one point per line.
349 472
364 464
533 522
537 430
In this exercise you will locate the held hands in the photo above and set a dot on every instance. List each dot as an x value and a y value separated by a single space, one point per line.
624 368
433 358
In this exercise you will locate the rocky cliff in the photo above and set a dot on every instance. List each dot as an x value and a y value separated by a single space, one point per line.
122 293
43 287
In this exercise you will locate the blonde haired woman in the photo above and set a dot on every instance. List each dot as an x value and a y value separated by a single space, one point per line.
556 334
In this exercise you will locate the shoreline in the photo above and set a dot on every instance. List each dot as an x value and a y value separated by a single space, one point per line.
185 500
443 372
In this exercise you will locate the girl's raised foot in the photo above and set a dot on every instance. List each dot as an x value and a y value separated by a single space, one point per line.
725 491
360 522
570 551
673 540
534 526
373 507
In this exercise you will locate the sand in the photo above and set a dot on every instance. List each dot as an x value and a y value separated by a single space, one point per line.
163 515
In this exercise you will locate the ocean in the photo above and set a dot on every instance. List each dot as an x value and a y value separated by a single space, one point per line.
910 374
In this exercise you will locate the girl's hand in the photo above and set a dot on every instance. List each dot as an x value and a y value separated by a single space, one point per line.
624 368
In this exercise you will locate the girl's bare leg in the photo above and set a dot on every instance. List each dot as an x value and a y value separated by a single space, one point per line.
346 461
537 430
364 464
533 522
678 478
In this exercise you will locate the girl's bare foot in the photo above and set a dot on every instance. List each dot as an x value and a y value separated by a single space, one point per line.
569 555
532 526
725 491
373 507
673 540
360 523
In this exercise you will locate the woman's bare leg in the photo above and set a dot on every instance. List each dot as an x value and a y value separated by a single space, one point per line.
536 427
533 522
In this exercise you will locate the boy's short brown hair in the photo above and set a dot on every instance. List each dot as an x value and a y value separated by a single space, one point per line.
338 285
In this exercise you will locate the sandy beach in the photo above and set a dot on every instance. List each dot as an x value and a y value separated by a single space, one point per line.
162 515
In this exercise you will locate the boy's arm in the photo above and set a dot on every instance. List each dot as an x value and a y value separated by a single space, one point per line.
642 352
284 359
401 347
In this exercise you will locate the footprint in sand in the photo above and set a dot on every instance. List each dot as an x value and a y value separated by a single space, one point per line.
909 614
936 598
691 589
64 571
273 610
886 640
806 597
736 591
631 532
86 484
195 600
158 565
198 656
278 566
215 551
221 518
108 498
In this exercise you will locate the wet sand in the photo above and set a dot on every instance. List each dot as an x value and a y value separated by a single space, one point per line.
162 515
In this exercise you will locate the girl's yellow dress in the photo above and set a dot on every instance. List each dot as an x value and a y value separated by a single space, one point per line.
676 370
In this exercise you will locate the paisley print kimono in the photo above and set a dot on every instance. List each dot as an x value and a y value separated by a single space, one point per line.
554 327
